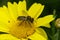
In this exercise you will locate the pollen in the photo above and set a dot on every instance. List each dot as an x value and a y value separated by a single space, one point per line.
22 29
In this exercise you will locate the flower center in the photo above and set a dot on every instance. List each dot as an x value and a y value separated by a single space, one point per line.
23 27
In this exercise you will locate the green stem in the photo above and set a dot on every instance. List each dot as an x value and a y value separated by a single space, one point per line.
56 36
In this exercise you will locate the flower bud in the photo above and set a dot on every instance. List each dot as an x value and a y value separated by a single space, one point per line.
57 23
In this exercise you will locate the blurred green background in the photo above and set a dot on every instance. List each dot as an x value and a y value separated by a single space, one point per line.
50 5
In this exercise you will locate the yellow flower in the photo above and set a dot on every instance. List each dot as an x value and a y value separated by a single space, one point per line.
20 23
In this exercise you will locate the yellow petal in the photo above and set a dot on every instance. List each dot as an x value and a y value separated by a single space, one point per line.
4 18
4 27
44 20
40 34
4 15
47 25
21 7
35 10
7 37
12 8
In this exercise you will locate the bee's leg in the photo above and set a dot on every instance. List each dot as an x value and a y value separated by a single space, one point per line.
21 23
29 24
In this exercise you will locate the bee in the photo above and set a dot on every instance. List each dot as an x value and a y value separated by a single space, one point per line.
27 18
23 18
